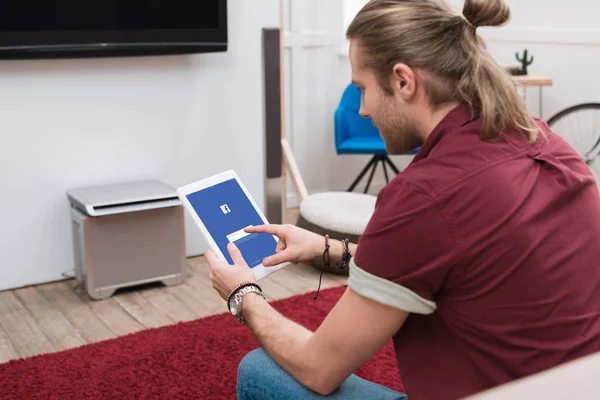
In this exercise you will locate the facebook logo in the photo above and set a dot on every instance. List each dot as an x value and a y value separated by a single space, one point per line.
225 208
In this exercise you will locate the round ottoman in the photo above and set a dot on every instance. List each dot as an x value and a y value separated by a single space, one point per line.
340 214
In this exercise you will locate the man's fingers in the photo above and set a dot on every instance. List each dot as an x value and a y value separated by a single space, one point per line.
235 254
273 229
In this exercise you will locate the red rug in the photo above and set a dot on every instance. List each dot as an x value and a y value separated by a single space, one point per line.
191 360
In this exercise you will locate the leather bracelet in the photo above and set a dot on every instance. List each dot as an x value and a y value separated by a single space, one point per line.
326 259
346 255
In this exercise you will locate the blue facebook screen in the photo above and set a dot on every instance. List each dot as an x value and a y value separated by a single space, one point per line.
226 211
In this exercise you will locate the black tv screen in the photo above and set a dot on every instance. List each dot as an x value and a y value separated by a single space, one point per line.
79 28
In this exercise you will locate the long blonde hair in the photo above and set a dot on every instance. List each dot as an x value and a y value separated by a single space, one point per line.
430 35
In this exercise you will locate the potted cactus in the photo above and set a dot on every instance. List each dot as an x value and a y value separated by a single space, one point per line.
525 62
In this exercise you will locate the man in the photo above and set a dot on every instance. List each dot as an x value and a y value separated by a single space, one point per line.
482 258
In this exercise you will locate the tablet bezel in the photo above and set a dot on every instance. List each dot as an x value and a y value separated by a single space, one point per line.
260 271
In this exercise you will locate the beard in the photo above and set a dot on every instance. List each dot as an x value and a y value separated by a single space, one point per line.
397 129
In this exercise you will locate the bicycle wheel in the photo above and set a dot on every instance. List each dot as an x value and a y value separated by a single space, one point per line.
579 125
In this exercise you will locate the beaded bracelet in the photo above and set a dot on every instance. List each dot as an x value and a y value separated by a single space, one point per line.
327 261
345 257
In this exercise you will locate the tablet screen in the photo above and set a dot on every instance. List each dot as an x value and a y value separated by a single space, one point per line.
225 211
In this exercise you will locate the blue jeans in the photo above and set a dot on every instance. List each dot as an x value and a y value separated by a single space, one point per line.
261 378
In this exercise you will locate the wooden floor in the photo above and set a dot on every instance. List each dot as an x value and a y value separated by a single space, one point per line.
58 316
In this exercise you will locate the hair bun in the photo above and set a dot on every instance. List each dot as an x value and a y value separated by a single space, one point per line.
486 12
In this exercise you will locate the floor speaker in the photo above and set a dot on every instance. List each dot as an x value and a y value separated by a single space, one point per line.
274 179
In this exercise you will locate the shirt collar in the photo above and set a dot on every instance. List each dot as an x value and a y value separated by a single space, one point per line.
456 118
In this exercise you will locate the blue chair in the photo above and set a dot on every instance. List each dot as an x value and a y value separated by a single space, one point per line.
355 134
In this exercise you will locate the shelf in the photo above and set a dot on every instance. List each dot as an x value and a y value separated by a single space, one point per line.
532 80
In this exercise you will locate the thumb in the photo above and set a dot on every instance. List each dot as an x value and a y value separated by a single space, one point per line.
235 254
211 258
281 245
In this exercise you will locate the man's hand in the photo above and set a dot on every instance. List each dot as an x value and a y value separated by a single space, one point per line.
226 277
354 330
297 245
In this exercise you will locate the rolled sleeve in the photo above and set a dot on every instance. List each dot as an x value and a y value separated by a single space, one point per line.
406 252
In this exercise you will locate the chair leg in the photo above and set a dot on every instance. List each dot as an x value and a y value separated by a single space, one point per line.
372 173
389 161
362 173
372 165
387 178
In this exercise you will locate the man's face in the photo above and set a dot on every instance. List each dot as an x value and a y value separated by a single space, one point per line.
388 112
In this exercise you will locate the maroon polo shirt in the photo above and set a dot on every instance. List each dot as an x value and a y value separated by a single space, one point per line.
503 237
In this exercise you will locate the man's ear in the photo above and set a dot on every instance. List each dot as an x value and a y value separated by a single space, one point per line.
404 80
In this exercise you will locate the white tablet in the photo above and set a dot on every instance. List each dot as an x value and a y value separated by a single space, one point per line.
222 208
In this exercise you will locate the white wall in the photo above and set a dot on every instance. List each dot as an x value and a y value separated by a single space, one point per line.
563 37
316 75
565 43
70 123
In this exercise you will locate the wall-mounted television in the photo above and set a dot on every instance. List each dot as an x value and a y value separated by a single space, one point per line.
101 28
